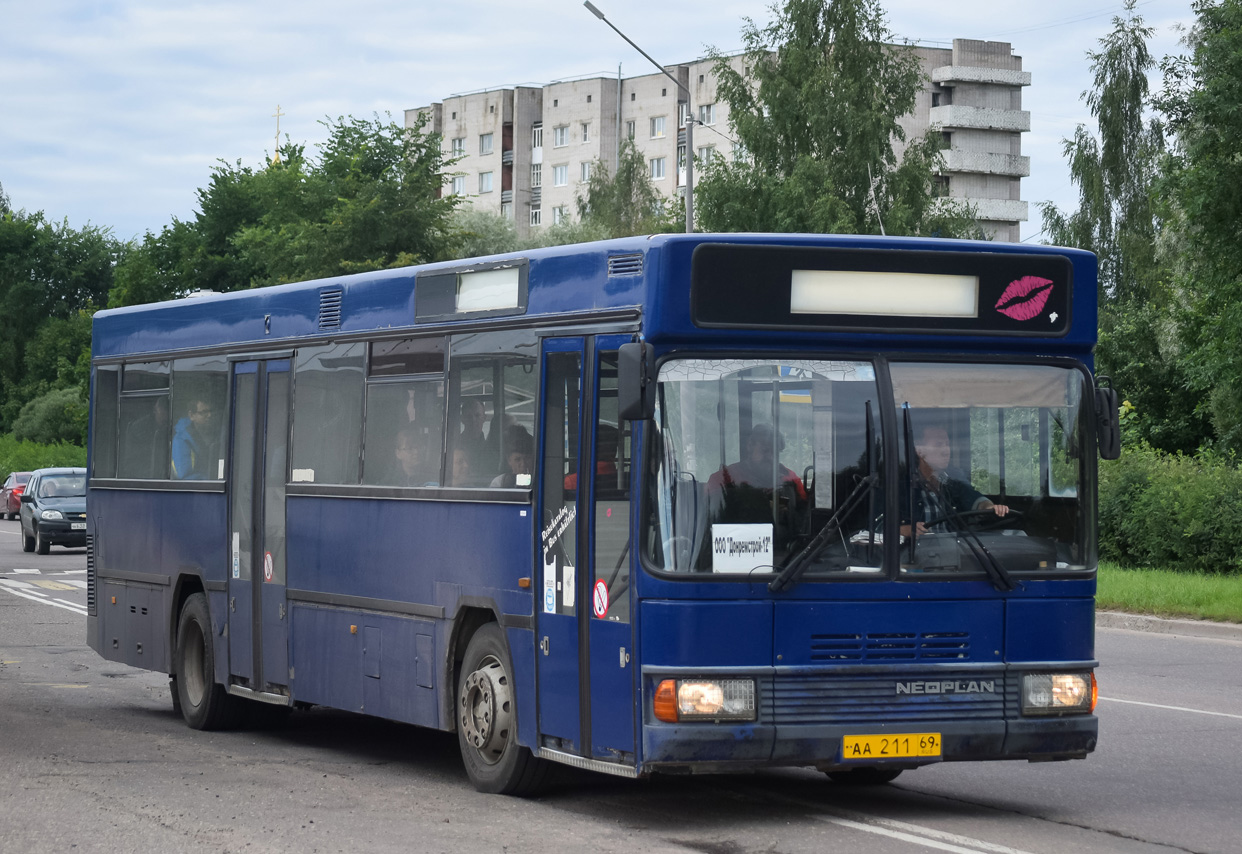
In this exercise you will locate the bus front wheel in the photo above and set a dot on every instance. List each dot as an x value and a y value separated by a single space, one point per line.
487 720
205 704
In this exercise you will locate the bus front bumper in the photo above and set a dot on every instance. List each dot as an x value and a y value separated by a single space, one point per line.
713 748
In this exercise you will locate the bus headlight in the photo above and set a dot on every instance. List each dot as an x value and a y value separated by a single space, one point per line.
705 699
51 515
1058 693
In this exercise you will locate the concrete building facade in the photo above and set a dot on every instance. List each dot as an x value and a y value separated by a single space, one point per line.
526 152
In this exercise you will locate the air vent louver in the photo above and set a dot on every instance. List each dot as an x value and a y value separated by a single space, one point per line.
625 265
330 309
90 575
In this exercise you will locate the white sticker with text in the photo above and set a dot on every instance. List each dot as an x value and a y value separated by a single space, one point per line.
741 548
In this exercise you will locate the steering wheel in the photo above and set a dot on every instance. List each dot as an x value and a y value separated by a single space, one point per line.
982 514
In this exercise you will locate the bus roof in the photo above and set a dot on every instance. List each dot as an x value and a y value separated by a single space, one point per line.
608 279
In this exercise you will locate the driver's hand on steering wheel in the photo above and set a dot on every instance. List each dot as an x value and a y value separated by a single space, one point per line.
919 529
998 509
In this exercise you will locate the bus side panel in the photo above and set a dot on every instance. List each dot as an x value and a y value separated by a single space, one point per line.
161 534
1050 630
364 662
522 651
397 550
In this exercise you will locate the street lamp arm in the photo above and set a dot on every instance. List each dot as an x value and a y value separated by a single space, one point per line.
597 13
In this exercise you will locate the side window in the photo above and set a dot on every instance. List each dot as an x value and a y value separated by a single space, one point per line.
328 386
612 499
491 423
143 421
404 437
103 421
199 395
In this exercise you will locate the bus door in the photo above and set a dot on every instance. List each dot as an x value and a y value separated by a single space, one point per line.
258 617
583 625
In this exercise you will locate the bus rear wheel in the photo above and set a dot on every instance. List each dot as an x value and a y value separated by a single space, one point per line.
205 704
865 776
487 720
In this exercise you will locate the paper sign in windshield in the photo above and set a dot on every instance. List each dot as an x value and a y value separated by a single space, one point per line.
741 548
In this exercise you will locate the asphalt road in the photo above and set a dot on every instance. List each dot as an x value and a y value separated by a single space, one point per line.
92 758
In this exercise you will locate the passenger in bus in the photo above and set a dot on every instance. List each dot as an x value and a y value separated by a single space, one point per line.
758 467
520 457
472 439
191 443
412 468
936 493
607 440
464 471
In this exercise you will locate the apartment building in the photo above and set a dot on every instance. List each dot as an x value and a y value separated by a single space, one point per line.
526 152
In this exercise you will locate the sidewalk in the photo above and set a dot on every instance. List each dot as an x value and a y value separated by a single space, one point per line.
1191 628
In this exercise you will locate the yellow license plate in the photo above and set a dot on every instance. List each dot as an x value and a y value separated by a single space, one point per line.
897 746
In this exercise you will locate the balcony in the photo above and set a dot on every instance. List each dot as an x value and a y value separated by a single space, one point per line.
951 74
985 163
956 117
506 157
995 210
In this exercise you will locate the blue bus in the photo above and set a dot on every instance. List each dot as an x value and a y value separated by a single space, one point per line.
670 504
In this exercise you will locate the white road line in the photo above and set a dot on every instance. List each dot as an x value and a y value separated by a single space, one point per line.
1172 708
75 605
924 836
28 571
77 609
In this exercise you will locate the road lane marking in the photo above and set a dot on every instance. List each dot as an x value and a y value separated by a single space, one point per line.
41 598
28 571
1173 708
53 585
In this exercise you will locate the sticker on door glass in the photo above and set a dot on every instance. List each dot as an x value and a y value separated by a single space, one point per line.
568 585
236 554
741 548
549 586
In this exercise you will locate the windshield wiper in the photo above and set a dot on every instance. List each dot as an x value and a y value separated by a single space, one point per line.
801 560
997 574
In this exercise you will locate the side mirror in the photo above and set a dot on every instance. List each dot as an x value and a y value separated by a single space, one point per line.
1107 419
636 381
27 498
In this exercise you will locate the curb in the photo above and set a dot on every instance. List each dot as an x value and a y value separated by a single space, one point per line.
1190 628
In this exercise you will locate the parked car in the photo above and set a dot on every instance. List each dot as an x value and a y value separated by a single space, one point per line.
12 492
54 509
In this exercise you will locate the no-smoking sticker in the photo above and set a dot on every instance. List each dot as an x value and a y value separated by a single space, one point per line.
267 566
600 598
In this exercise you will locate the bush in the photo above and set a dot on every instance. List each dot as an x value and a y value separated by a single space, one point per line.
16 455
1171 511
58 416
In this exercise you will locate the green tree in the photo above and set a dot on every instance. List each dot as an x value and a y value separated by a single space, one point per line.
58 416
1202 102
817 115
624 202
4 201
480 233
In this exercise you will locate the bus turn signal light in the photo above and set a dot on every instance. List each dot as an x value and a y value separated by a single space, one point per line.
666 701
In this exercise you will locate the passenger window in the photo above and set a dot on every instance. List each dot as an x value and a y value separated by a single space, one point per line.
404 441
612 499
328 386
491 412
103 422
199 396
145 437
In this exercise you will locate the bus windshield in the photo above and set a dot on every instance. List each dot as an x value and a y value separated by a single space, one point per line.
758 464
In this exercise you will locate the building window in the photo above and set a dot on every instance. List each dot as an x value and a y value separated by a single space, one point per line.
586 171
536 136
586 131
935 99
485 182
946 138
705 153
740 154
536 175
707 114
459 146
588 99
629 130
560 136
560 175
506 210
633 96
657 127
940 186
683 114
454 114
536 216
485 143
459 185
558 214
657 168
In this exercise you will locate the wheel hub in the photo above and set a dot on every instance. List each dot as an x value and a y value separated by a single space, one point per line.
485 710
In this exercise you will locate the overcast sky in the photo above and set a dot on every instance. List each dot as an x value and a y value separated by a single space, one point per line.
113 112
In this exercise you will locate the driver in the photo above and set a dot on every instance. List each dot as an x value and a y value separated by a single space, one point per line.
758 466
936 495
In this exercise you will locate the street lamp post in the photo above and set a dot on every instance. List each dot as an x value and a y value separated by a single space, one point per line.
689 115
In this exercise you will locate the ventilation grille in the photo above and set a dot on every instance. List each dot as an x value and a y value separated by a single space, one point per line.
330 309
625 265
906 646
961 693
90 575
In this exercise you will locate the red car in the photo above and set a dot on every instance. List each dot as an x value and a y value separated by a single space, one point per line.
10 496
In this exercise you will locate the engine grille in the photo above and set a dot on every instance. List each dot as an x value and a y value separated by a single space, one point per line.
907 646
874 697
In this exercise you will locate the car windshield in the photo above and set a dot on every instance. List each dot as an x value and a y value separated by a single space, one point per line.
759 465
63 486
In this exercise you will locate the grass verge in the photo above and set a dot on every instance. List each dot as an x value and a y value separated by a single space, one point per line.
1170 594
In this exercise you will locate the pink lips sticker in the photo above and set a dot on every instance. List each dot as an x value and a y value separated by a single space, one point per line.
1025 298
